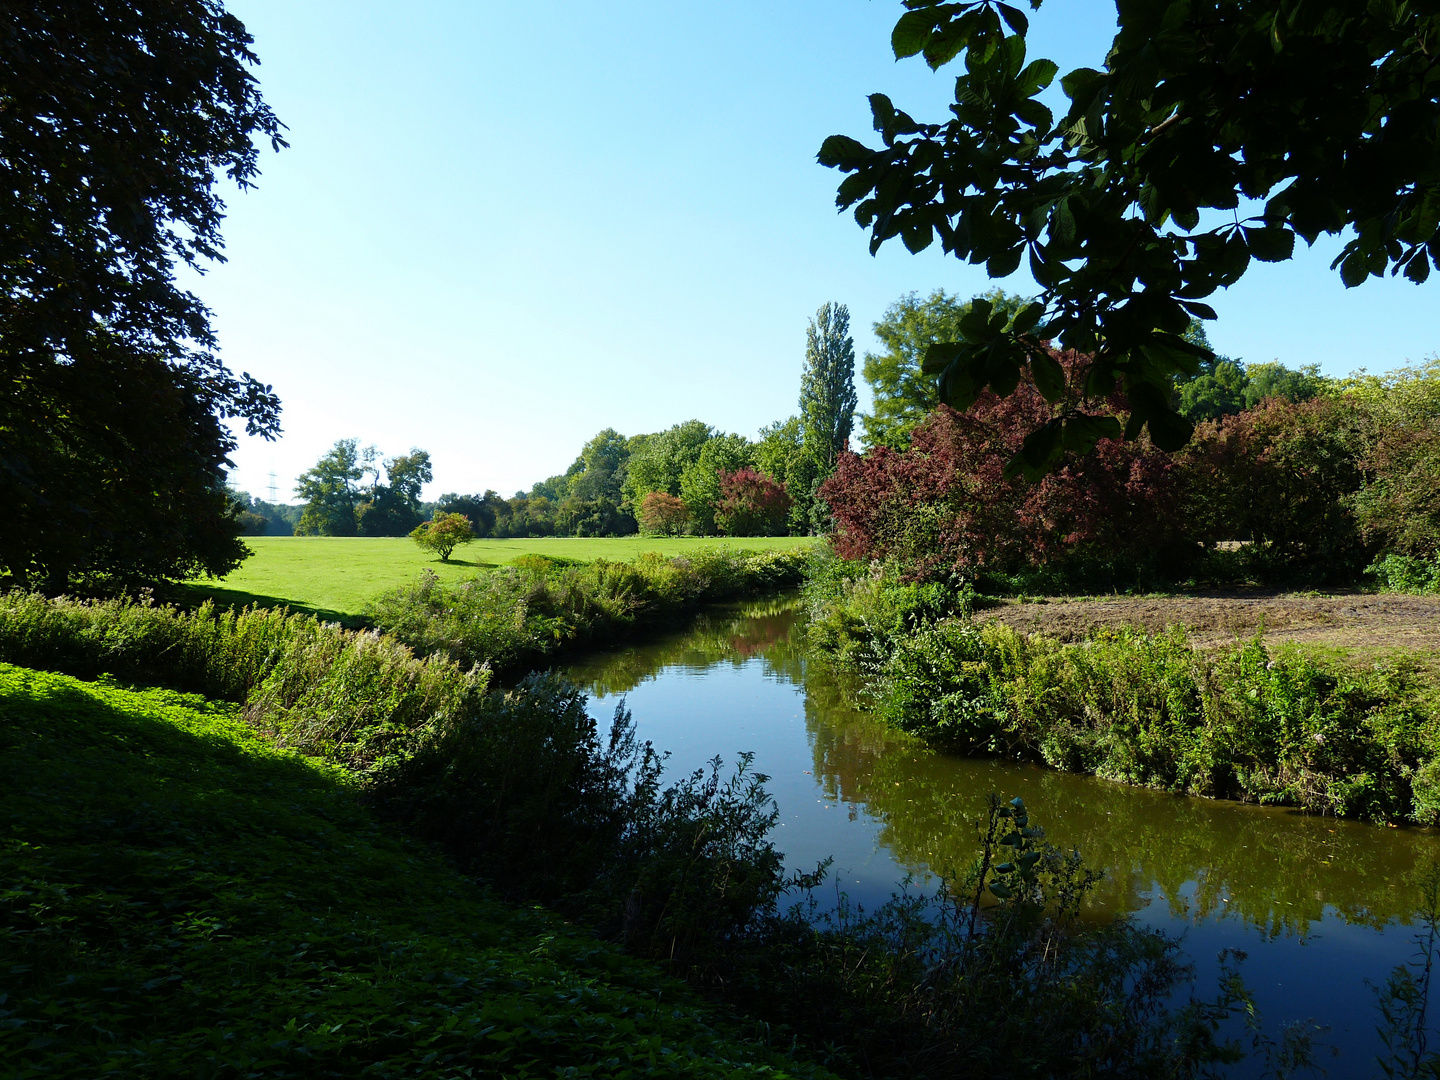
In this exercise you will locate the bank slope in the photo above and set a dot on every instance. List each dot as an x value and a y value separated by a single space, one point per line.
180 897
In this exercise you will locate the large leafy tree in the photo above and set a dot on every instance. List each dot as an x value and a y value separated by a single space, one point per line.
599 471
1216 132
331 490
700 486
393 508
117 123
658 461
903 394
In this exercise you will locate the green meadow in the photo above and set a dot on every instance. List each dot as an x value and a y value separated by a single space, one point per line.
335 577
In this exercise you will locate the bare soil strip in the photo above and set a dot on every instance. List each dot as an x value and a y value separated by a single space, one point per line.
1362 627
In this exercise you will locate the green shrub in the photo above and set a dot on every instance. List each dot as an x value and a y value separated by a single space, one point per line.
518 616
1245 722
1406 573
856 612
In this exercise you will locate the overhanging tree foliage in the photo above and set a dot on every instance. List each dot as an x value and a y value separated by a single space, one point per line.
1216 133
902 393
116 122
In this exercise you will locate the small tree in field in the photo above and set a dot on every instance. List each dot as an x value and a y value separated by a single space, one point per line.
444 534
751 504
661 512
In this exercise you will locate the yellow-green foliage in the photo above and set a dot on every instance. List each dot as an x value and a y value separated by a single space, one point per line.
178 897
1247 721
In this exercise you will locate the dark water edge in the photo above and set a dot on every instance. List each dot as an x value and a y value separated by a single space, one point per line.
1319 905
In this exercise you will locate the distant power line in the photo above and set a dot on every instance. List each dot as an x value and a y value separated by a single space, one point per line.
272 487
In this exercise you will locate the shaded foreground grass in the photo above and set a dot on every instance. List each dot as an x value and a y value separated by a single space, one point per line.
180 897
334 577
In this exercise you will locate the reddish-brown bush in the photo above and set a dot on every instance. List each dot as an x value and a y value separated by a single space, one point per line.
1284 476
751 504
944 504
661 512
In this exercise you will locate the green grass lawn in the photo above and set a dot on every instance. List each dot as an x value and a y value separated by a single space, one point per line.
178 897
335 576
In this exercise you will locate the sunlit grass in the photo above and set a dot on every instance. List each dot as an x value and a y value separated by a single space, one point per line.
335 576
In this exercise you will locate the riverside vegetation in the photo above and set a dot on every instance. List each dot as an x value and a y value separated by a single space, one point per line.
205 826
1242 721
514 617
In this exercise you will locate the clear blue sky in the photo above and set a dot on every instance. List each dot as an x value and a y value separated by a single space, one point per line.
501 228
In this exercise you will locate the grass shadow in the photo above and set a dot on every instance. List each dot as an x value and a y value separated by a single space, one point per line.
190 595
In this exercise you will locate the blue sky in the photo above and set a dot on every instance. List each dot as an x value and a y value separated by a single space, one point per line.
501 228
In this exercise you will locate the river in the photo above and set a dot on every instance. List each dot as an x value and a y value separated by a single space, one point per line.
1318 905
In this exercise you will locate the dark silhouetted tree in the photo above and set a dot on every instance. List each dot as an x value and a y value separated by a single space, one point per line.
118 123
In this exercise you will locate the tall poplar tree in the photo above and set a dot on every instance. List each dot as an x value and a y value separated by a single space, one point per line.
827 386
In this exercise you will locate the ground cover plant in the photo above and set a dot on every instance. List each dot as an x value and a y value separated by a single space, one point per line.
524 789
1243 720
514 617
182 897
335 577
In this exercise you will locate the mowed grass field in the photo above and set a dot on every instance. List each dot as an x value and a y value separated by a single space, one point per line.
335 576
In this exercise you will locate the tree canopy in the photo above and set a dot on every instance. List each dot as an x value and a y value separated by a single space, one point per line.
1215 133
331 490
118 123
902 393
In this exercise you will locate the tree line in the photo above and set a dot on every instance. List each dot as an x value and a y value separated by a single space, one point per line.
1289 477
690 479
696 479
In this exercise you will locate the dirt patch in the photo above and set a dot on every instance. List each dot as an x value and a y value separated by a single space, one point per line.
1360 626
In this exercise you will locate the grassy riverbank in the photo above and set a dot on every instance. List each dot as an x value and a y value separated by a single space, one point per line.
183 898
337 576
226 904
1246 720
516 617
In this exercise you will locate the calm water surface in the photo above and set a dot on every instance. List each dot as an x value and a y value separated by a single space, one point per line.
1318 905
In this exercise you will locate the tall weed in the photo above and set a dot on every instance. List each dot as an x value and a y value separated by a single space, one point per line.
351 696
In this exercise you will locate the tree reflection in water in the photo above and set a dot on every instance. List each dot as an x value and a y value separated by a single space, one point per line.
1277 870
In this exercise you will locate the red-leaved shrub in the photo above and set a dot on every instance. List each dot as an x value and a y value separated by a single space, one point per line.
1284 476
751 504
944 504
661 512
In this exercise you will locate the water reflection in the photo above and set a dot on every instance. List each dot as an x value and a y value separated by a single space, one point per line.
1279 871
1314 901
